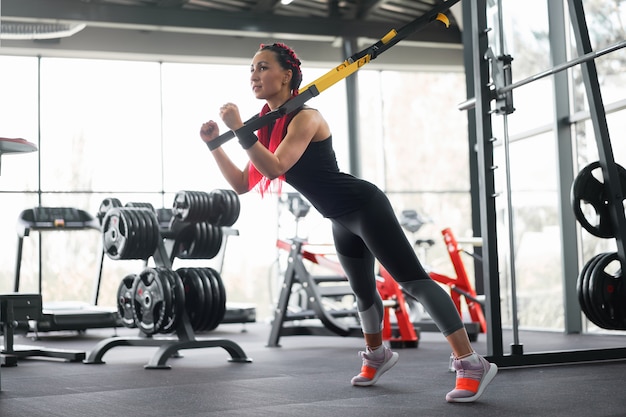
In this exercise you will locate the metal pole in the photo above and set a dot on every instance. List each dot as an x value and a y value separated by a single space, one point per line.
486 183
471 102
516 347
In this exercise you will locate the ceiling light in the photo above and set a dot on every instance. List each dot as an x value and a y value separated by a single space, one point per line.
29 31
285 2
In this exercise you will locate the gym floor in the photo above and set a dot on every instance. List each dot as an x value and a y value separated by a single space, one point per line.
306 376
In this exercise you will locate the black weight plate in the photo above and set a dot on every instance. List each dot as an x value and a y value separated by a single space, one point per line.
180 206
147 206
580 285
220 310
214 319
144 232
605 291
149 309
217 207
125 301
169 291
194 297
152 235
202 241
235 208
192 198
590 202
210 298
184 240
205 205
179 296
586 292
115 234
106 205
137 231
217 236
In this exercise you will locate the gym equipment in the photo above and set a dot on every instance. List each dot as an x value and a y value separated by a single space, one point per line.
296 273
219 207
589 192
601 291
160 300
62 315
15 145
16 311
326 303
487 88
460 288
343 70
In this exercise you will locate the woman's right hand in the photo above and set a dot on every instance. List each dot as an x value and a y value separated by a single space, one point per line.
209 131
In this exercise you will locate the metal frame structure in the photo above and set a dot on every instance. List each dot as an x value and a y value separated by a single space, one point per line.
478 70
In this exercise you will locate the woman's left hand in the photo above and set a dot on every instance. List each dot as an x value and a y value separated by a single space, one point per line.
229 113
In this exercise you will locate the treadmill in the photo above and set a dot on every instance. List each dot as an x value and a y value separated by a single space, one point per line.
62 316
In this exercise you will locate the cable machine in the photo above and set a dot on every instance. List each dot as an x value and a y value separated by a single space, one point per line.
492 82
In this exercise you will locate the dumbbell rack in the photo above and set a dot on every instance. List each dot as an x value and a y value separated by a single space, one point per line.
184 332
168 346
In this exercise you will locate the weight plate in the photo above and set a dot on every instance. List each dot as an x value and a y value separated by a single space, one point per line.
170 321
152 234
150 307
217 236
589 198
180 207
194 297
217 207
125 301
214 319
220 309
235 209
115 234
580 285
210 298
147 206
137 231
106 205
605 292
586 292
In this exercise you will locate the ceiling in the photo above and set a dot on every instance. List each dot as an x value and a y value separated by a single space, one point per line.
315 21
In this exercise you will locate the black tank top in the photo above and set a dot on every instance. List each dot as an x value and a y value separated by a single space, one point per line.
317 177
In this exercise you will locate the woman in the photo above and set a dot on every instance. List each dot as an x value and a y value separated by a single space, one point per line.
297 148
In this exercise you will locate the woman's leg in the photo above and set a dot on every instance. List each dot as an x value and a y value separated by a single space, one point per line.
358 263
380 231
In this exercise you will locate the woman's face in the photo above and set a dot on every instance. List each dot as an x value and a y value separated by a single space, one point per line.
267 77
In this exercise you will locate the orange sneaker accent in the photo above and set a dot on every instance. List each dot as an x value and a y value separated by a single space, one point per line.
367 372
467 384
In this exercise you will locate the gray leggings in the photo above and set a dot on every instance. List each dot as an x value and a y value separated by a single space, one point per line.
373 232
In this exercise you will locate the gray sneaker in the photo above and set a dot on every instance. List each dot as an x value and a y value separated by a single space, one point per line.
471 379
372 369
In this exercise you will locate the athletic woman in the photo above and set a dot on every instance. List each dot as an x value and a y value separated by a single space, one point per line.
297 148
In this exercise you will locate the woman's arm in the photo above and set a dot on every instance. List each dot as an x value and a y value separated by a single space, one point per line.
236 177
304 127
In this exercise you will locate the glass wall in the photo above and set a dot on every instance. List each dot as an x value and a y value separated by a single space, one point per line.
129 130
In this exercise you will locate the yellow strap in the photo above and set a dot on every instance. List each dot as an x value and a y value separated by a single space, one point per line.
337 74
443 18
345 69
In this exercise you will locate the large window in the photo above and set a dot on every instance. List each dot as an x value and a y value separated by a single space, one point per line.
129 130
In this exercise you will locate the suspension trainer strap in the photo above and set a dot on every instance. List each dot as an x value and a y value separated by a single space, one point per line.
343 70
